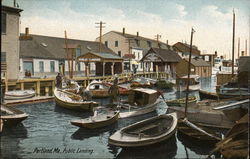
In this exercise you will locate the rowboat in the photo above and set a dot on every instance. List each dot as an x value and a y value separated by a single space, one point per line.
194 84
101 118
146 132
181 102
141 82
190 130
11 115
98 89
140 101
70 100
19 94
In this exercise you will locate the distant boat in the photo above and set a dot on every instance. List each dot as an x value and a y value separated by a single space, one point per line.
194 84
70 100
11 115
141 83
140 101
19 94
182 101
146 132
98 89
101 118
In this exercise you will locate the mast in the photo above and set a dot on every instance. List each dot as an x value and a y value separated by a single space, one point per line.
233 44
238 48
189 64
67 52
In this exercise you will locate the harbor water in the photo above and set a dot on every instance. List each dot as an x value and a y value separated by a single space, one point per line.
47 133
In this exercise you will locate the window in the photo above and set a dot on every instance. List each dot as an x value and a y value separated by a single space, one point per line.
79 66
52 66
149 44
3 56
41 66
138 56
78 52
106 43
116 43
119 53
3 23
137 42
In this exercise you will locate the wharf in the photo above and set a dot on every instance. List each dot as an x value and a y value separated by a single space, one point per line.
29 100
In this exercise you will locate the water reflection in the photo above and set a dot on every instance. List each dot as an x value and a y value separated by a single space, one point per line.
166 149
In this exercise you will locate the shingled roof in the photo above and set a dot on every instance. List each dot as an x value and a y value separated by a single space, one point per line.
165 54
53 47
185 48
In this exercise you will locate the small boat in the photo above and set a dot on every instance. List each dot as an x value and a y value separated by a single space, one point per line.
146 132
226 91
19 94
194 84
98 89
141 82
181 102
70 100
123 90
101 118
11 115
140 101
190 130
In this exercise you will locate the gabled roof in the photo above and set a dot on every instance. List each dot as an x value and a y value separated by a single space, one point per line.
107 55
165 55
53 47
184 48
198 62
142 42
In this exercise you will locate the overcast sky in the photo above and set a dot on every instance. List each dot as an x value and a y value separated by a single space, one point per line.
211 19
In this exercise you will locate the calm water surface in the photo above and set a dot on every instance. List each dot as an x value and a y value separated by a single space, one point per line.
47 133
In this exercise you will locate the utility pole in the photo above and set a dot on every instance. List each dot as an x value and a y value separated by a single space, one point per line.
189 64
233 44
100 38
238 48
157 36
67 52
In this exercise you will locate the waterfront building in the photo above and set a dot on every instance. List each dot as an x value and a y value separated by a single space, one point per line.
210 58
122 44
198 67
164 60
45 56
183 50
10 20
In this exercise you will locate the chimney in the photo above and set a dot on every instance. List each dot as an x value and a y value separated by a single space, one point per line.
167 42
215 53
123 31
137 34
242 53
14 3
26 31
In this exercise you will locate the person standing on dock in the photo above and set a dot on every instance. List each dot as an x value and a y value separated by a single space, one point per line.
59 81
114 91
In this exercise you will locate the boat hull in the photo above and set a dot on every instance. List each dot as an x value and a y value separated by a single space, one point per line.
94 125
181 102
19 95
13 116
122 140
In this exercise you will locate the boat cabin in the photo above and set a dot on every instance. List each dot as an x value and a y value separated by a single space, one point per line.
142 96
192 81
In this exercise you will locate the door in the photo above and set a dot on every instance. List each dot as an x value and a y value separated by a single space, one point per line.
28 66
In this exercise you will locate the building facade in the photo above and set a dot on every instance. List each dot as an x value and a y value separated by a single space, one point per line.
10 20
183 50
45 56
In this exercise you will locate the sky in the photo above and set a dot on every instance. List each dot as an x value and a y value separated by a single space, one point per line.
172 19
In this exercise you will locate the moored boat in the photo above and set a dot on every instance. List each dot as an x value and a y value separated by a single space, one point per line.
101 118
123 90
181 102
146 132
98 89
70 100
19 94
140 101
194 84
11 115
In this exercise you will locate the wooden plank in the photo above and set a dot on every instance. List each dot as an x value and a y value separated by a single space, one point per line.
232 105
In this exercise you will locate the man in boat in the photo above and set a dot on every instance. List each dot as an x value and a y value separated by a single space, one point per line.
85 94
114 91
59 81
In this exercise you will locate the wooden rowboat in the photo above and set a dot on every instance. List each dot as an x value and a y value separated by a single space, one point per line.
98 89
12 116
100 119
146 132
181 102
19 94
192 131
72 101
